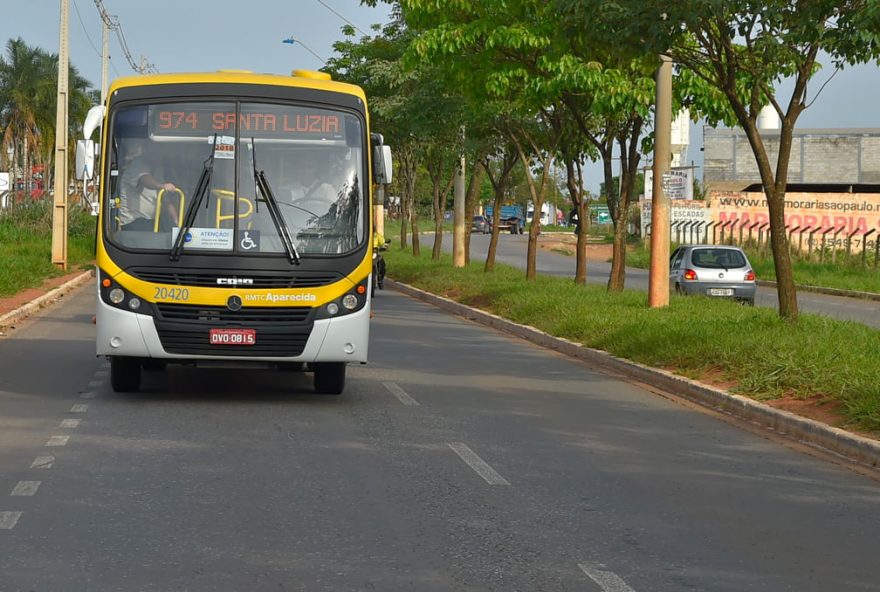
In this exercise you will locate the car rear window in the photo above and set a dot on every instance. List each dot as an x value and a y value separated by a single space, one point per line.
718 258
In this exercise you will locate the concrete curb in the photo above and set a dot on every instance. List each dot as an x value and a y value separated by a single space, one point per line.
49 297
852 446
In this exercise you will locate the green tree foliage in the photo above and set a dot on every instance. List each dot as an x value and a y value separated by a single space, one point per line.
735 53
28 89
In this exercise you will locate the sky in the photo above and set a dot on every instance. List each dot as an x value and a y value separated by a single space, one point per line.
192 35
199 35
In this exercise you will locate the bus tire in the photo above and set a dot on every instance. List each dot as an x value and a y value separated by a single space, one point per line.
329 378
125 374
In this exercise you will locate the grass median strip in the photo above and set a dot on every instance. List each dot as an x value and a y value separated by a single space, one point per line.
26 245
749 350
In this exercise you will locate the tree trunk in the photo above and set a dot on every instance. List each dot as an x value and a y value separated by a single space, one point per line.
617 276
774 190
574 184
438 222
407 186
496 218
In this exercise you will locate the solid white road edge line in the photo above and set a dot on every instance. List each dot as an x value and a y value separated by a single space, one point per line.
481 467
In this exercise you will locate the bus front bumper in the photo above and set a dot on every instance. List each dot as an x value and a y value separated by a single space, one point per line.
125 333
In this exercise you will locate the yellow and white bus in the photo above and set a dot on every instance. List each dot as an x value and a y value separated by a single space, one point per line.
234 222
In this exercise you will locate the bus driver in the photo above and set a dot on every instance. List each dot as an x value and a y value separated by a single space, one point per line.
140 190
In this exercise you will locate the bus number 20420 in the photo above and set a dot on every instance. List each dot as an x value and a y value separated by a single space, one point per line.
171 294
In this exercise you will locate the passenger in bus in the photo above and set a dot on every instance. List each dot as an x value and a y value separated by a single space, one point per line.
140 191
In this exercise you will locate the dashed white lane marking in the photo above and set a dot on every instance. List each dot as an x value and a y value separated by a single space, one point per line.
26 488
87 396
43 462
400 394
69 423
481 467
58 441
609 581
8 520
95 384
101 373
79 408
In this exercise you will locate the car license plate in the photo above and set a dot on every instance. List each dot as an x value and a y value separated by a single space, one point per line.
233 336
720 291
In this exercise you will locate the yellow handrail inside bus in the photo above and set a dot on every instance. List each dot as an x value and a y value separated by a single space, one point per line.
180 203
225 194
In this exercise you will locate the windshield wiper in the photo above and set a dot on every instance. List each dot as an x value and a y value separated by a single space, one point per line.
274 211
201 189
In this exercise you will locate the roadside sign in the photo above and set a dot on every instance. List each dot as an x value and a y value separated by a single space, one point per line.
600 213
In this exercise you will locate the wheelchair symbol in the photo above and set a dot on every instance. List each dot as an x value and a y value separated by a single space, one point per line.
247 243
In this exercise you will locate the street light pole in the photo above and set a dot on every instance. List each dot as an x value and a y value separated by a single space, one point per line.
458 198
59 209
658 279
105 59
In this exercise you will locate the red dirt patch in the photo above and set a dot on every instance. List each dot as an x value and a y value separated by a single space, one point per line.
816 407
10 303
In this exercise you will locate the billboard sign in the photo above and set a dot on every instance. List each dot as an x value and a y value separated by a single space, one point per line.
678 183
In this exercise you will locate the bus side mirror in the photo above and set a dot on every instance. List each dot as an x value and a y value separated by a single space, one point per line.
382 165
85 160
93 121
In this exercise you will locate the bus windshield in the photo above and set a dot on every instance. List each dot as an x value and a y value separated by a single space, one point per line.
311 158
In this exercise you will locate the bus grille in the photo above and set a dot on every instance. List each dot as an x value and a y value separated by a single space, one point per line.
249 315
280 332
193 277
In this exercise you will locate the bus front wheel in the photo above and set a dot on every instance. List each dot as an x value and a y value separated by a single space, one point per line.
125 374
329 377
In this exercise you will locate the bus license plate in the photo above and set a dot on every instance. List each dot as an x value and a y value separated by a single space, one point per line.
233 336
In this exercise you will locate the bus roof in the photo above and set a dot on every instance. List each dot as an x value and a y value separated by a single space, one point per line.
299 79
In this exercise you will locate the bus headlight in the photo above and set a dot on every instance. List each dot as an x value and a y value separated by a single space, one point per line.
134 303
116 295
350 301
332 308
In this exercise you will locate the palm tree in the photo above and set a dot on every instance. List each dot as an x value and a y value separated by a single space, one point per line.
19 78
28 91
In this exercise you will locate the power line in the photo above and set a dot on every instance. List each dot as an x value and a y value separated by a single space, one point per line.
83 25
325 5
113 23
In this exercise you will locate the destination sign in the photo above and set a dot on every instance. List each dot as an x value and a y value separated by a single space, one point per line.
268 121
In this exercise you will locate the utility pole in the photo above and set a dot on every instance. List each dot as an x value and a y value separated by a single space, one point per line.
458 258
105 58
658 279
59 210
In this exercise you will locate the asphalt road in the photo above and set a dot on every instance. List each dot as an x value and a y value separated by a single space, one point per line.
512 251
459 459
